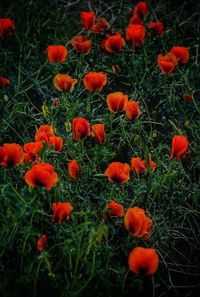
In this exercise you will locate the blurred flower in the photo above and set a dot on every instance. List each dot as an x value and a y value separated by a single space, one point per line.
181 53
11 154
135 19
116 101
156 28
99 133
88 19
179 146
81 44
187 97
137 165
137 222
101 26
143 261
73 169
167 62
56 142
4 82
7 27
135 34
81 128
32 150
43 133
41 243
61 211
64 82
114 43
132 110
41 175
151 164
140 8
56 53
118 172
94 81
114 209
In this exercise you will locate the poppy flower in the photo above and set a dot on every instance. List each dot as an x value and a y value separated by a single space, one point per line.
116 101
73 169
135 34
137 222
81 128
61 211
187 97
88 19
137 165
118 172
6 27
11 154
43 133
32 150
64 82
41 243
135 19
143 261
114 209
101 26
56 142
151 164
156 28
132 110
140 8
81 44
4 82
94 81
179 146
181 53
41 175
56 53
114 43
99 133
167 62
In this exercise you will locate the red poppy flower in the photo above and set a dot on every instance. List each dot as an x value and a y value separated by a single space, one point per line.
132 110
56 142
167 62
143 261
181 53
41 175
32 150
56 53
73 169
114 43
140 8
135 34
81 44
187 97
101 26
137 165
179 146
94 81
43 133
81 128
61 211
64 82
135 19
6 27
137 222
99 133
11 154
157 28
116 101
118 172
41 243
114 209
151 164
87 19
4 82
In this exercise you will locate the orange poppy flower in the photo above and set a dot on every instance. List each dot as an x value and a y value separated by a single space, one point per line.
167 62
114 43
181 53
41 175
99 133
114 209
151 164
61 211
101 26
135 34
143 261
56 53
32 150
135 19
137 222
6 27
157 28
140 8
11 154
132 110
81 44
43 133
118 172
56 142
64 82
41 243
116 101
94 81
81 128
137 165
179 146
73 169
4 82
87 18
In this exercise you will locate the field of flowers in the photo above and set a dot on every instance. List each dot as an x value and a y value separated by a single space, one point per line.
99 148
